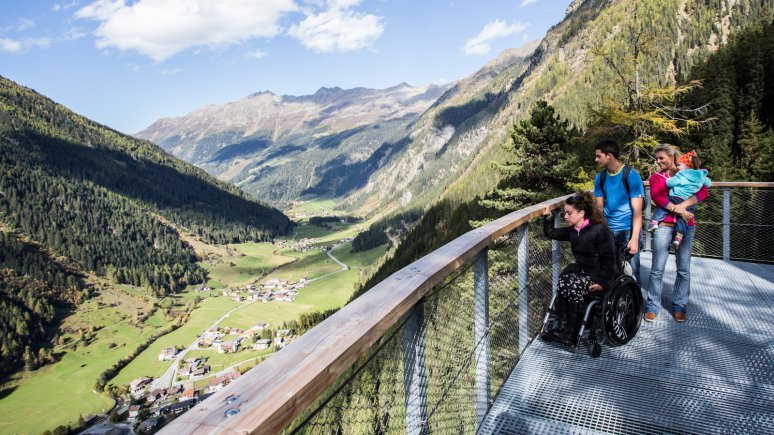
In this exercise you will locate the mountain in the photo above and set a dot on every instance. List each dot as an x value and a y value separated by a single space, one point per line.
282 147
78 199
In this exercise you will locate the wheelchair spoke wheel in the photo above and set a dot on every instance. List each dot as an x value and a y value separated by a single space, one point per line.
623 311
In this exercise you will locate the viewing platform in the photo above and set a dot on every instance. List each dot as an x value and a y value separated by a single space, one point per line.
448 345
712 374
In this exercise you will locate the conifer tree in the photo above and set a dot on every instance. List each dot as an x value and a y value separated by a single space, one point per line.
757 141
543 162
641 112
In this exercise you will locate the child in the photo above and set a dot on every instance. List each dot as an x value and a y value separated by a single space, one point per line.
686 182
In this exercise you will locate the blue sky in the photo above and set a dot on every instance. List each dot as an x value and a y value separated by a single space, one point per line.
127 63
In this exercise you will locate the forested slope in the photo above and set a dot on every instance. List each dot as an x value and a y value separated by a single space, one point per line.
77 198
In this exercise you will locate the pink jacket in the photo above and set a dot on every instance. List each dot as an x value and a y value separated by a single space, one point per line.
659 193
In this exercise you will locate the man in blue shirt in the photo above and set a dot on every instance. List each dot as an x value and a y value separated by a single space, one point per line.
621 199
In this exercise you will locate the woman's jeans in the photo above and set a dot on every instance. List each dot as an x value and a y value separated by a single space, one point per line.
661 240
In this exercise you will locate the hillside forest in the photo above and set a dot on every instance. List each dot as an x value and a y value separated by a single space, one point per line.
78 199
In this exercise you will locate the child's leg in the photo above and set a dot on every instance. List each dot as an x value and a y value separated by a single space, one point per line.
658 215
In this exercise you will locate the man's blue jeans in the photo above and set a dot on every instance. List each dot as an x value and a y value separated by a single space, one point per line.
622 238
661 240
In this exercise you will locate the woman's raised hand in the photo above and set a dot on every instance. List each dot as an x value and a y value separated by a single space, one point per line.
547 211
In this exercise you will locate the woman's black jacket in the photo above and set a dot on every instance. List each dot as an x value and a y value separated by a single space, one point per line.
594 250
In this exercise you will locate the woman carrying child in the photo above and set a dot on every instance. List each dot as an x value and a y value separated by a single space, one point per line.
666 157
594 267
688 180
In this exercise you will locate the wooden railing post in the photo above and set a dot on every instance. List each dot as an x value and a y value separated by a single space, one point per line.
726 223
523 235
414 371
555 257
480 325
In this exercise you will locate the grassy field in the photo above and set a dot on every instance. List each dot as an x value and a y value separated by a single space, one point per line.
324 235
313 206
147 363
310 264
54 395
247 263
32 402
359 259
220 361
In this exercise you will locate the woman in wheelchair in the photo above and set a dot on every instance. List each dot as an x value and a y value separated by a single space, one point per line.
594 269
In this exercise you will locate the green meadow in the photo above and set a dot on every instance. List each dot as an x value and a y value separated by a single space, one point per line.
58 393
250 262
220 361
147 363
105 329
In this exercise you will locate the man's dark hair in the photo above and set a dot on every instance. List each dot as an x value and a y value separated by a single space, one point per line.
608 146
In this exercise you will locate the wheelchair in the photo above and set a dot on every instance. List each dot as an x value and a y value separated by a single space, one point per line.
613 315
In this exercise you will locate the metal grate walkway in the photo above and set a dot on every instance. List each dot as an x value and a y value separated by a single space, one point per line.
712 374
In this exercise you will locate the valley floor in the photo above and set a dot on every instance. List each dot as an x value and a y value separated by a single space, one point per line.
113 324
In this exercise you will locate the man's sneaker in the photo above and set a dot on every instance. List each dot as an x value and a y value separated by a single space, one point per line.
653 227
650 316
680 316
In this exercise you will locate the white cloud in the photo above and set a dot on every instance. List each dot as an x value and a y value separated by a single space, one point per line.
100 10
494 30
256 54
16 45
338 28
527 2
162 28
63 7
170 71
24 24
10 45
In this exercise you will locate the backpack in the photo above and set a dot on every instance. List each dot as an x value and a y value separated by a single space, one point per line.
626 171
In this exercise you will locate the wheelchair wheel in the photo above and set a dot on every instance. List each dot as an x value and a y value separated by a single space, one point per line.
622 311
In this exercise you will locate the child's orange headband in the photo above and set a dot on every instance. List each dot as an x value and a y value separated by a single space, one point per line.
686 159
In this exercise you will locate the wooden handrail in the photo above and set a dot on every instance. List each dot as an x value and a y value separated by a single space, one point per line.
271 395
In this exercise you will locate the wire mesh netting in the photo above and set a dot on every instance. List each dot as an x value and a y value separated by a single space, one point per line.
421 376
742 233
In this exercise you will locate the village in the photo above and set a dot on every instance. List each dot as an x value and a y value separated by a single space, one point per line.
193 379
150 405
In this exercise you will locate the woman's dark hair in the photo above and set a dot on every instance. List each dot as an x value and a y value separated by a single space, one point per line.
584 201
608 146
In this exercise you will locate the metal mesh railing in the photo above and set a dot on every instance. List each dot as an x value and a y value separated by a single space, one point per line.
422 376
426 374
734 223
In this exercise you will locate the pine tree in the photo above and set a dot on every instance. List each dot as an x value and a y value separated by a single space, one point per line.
758 145
543 162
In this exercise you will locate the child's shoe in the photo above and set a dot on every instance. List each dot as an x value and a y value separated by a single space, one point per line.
653 226
676 242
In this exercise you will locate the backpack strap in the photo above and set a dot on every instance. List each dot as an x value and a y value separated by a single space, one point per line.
626 171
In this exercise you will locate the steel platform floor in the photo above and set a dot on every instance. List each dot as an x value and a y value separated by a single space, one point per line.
712 374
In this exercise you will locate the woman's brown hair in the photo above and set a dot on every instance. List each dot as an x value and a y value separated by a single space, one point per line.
584 201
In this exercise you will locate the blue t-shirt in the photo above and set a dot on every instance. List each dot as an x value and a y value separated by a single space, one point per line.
618 210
